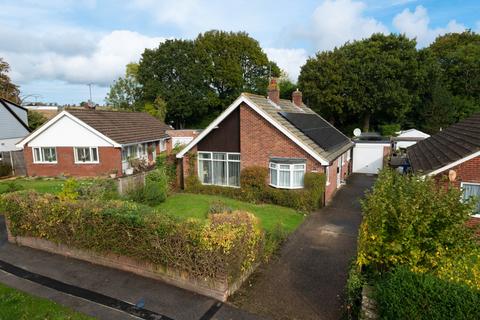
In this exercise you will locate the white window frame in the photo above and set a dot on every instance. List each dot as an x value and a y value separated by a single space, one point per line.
470 183
78 161
163 145
348 154
275 165
327 175
212 160
42 160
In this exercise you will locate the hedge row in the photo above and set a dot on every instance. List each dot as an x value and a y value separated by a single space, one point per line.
227 245
403 294
254 188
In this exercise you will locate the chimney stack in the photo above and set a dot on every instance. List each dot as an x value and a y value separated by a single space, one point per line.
297 98
274 91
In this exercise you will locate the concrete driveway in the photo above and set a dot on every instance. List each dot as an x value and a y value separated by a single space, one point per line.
308 279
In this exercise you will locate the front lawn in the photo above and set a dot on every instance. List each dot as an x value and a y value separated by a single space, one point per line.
15 304
187 205
38 184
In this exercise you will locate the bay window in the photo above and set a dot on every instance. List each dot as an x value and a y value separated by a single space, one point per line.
219 168
86 154
287 173
45 155
472 190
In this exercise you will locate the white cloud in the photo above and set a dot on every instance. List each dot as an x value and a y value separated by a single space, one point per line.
416 24
290 60
337 21
178 12
102 61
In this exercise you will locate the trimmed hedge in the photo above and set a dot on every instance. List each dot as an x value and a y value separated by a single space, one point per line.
226 246
403 294
254 188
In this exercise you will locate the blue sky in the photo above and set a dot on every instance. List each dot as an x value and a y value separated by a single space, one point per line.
55 48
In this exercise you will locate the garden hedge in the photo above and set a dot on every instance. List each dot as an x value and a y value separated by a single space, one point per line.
254 188
403 294
226 246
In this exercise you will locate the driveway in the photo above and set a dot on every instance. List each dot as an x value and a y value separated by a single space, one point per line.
307 281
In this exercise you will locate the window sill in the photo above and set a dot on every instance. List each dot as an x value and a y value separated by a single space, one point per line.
477 216
87 162
53 162
287 188
219 185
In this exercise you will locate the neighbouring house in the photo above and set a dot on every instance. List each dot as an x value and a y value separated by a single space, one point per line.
452 155
284 136
370 153
181 137
407 138
82 142
13 128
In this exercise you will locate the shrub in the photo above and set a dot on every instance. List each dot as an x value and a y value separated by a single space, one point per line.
168 163
69 190
254 189
5 169
105 189
155 191
403 294
390 130
413 222
219 206
226 246
273 240
355 283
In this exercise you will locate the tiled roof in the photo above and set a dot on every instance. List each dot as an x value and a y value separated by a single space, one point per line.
123 127
288 106
452 144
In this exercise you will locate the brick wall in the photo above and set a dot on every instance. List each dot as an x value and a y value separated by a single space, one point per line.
332 186
110 158
468 171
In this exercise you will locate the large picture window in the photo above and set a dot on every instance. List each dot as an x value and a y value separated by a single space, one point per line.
86 154
45 155
219 168
287 175
472 190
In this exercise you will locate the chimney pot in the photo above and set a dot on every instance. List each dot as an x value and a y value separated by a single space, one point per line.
274 91
297 98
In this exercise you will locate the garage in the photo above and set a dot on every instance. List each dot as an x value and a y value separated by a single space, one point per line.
368 156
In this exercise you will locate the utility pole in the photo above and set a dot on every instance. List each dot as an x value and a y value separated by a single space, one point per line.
90 89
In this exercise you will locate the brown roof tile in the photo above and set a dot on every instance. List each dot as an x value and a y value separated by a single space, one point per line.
123 127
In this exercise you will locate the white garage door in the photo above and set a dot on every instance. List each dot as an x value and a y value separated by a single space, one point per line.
176 141
368 157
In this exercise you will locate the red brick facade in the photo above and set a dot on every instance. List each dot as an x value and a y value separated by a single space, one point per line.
259 141
109 159
469 171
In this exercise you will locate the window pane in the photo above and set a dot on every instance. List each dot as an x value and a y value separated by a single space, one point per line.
219 172
273 165
94 154
204 155
205 171
273 176
472 190
37 155
298 179
299 166
234 157
234 174
219 156
284 179
124 154
285 166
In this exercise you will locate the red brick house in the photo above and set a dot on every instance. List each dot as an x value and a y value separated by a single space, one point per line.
81 142
452 155
285 136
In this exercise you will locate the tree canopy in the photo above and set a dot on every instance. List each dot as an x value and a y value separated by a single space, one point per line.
8 90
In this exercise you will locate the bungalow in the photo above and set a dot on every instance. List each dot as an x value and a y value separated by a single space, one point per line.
81 142
452 155
284 136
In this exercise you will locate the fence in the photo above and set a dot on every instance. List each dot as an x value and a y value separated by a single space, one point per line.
130 183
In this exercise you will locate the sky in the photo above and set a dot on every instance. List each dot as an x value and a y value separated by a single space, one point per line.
56 48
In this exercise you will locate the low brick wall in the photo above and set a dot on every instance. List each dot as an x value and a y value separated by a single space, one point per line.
218 289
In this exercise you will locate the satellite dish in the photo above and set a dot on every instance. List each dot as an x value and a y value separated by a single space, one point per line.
357 132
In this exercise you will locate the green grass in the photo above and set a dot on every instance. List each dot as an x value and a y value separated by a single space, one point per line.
187 205
15 304
40 185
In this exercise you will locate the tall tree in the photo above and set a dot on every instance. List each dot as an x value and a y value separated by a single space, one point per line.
234 62
8 90
458 55
125 92
174 72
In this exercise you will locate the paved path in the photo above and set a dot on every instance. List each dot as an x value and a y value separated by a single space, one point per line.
308 279
161 298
